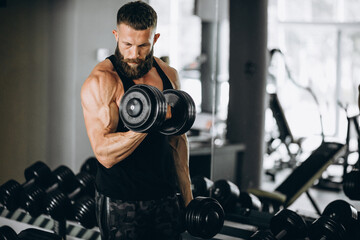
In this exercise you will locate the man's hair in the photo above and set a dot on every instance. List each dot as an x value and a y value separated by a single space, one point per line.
138 15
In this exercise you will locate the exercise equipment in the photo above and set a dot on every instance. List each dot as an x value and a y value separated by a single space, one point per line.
76 205
204 217
351 184
226 193
32 198
345 214
38 173
201 186
302 178
229 196
285 224
143 108
90 166
325 228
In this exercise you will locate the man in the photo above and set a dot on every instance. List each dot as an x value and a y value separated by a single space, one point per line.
138 173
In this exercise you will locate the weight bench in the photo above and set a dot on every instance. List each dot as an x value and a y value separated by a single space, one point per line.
302 177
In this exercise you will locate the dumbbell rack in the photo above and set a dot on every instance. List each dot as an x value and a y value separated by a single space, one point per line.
20 220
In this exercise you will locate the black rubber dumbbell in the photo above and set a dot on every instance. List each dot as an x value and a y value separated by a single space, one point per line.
90 166
38 173
351 184
284 225
203 217
77 205
343 213
201 186
226 193
229 196
326 228
32 198
143 108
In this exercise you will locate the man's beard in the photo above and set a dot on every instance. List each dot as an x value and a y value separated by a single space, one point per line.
143 66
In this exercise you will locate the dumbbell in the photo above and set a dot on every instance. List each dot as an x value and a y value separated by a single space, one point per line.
62 178
338 212
351 184
229 196
38 173
7 233
326 228
90 166
143 108
284 225
201 186
77 205
203 217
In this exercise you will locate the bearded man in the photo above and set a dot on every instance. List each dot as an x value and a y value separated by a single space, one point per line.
138 173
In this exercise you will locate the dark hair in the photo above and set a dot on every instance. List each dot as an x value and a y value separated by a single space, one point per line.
138 15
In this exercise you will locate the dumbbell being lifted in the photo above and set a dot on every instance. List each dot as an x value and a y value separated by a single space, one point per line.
143 108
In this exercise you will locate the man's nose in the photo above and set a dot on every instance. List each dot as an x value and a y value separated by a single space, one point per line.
134 52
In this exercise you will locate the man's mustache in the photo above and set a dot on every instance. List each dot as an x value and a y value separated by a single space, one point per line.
137 60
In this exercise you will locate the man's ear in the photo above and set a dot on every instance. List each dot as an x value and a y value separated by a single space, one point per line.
115 34
156 37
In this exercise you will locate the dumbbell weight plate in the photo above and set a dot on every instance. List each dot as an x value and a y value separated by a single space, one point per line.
204 217
84 211
182 112
326 228
351 184
142 108
345 214
90 166
40 172
291 222
201 186
227 193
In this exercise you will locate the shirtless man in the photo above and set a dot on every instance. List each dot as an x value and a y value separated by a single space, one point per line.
138 173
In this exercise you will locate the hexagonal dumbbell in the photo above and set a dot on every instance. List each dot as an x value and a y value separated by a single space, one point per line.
143 108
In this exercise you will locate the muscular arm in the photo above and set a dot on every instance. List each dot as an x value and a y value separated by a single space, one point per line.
101 116
179 145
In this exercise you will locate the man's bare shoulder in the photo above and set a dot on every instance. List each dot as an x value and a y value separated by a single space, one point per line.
170 72
102 82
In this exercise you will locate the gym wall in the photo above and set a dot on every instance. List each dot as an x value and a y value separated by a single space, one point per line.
47 50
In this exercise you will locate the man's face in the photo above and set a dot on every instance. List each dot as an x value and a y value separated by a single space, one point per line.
134 50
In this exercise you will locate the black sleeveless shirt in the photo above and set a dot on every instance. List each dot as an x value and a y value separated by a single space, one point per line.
149 172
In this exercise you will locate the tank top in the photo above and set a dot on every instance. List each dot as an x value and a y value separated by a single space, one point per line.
149 172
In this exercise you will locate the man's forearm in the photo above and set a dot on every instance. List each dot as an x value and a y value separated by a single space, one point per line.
181 159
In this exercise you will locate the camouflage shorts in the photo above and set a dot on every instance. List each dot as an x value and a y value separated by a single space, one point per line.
154 219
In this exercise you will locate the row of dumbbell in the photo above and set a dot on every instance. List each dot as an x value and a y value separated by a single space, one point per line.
339 221
7 233
227 193
60 193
